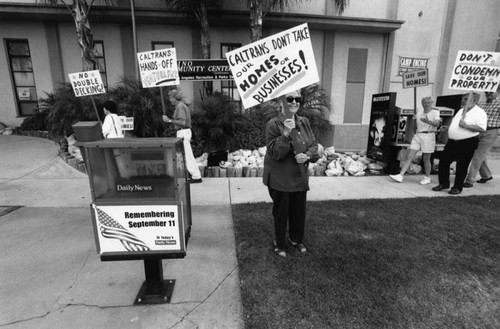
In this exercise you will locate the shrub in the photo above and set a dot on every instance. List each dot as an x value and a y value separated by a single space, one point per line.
65 109
216 122
144 104
36 122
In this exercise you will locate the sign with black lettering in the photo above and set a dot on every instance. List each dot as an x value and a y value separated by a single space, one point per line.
87 83
417 78
204 69
407 64
138 228
158 68
274 66
127 122
476 71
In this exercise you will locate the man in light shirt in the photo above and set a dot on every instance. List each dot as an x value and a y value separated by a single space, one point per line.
486 140
463 140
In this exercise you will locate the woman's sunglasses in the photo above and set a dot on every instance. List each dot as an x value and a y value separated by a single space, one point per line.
290 99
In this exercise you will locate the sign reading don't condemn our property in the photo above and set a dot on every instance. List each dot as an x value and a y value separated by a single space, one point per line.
158 68
476 71
273 66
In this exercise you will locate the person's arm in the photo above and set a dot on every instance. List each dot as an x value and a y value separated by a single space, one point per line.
106 126
278 145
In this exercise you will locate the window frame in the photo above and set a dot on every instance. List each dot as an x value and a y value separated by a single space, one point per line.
228 85
33 90
103 71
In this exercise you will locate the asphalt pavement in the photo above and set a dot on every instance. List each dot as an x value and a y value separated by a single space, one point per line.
52 276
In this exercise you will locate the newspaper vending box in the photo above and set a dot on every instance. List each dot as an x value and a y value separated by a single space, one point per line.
141 205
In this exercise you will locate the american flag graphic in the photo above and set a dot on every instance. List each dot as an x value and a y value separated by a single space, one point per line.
111 229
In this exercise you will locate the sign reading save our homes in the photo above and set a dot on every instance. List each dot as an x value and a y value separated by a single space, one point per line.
417 78
87 83
476 71
273 66
138 228
158 68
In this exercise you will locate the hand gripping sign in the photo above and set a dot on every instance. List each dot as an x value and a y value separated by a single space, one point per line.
273 66
158 68
476 71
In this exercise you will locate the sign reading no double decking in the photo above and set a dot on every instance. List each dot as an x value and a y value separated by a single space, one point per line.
417 78
158 68
136 228
476 71
87 83
273 66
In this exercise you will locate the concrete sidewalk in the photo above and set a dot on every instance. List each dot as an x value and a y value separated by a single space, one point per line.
51 273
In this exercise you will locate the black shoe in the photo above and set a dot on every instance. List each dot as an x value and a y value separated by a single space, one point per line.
468 184
299 246
439 188
484 180
454 191
194 181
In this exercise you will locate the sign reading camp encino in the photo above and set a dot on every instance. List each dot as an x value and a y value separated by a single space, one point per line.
87 83
273 66
158 68
136 228
476 71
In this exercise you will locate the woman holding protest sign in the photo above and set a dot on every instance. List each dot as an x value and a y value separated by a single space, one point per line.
291 145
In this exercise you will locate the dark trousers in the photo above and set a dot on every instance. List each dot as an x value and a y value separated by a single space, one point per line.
460 151
289 208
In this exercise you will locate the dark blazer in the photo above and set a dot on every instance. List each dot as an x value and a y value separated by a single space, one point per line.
281 171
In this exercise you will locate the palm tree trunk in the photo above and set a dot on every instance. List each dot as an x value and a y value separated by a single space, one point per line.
84 36
256 13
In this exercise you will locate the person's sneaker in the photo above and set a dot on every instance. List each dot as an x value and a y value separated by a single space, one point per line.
468 184
425 181
398 178
278 251
484 180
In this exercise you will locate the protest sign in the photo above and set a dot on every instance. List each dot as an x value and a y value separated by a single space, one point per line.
87 83
273 66
158 68
476 71
407 64
204 69
417 78
127 122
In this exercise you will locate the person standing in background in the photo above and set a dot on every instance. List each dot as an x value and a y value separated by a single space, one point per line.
462 142
424 140
285 173
112 126
486 139
182 122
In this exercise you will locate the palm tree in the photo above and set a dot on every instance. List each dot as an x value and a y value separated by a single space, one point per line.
258 8
199 9
80 10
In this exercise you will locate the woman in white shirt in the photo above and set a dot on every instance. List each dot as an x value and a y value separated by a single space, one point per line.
112 126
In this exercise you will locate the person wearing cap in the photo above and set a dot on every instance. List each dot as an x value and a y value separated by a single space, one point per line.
182 122
112 126
486 140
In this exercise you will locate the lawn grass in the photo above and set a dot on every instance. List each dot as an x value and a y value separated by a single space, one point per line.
391 263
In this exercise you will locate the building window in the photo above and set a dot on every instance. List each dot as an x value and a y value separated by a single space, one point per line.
156 45
22 75
228 87
101 60
355 85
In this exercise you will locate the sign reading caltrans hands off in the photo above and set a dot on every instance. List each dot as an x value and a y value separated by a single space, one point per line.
158 68
87 83
273 66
